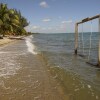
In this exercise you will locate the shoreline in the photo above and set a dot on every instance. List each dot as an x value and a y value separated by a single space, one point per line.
5 41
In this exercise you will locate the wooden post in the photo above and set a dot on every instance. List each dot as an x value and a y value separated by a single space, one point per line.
99 44
76 38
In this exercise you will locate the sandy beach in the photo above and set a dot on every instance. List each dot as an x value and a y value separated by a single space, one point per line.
5 41
10 39
25 76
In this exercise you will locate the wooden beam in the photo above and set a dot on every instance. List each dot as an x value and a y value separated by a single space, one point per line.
88 19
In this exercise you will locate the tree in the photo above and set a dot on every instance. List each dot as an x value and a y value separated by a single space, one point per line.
3 18
11 21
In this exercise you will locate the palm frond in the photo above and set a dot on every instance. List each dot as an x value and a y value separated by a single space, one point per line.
1 22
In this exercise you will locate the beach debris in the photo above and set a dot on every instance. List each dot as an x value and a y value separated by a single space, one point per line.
77 89
16 37
37 98
55 76
89 86
97 97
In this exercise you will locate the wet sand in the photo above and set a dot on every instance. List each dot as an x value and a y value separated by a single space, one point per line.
30 78
5 41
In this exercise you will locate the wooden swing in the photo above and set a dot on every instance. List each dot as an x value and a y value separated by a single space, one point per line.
76 38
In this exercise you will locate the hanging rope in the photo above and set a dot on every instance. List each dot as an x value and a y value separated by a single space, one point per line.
99 44
79 40
82 40
90 41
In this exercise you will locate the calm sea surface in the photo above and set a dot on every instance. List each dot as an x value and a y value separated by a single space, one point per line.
79 79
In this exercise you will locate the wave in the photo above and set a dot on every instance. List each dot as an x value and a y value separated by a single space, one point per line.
31 47
9 66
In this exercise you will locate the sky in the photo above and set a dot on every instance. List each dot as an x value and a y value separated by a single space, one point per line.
56 16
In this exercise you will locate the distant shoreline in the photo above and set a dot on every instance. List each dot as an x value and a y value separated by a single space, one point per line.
7 40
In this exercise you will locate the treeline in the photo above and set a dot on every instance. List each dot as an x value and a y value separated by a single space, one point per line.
11 21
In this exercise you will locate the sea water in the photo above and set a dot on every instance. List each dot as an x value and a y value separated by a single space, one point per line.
79 79
18 77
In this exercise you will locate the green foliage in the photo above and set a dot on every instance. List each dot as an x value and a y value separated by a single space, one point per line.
11 21
1 22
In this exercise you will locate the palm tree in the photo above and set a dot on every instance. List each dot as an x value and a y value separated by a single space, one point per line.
11 21
14 21
23 23
3 18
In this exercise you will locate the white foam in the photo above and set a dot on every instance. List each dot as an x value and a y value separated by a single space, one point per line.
3 52
31 47
9 66
3 85
89 86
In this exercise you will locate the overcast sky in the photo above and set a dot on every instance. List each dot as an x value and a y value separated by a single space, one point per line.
56 16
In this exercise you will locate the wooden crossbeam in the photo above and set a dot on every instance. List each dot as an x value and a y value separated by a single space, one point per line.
88 19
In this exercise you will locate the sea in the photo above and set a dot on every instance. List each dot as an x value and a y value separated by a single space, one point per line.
75 74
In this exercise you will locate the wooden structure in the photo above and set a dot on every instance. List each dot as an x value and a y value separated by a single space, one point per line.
76 34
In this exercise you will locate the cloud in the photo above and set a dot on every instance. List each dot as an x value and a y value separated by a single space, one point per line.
43 28
44 4
35 27
46 20
50 28
28 28
64 22
47 28
31 28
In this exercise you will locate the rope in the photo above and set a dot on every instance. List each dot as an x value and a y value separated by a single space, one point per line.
90 42
99 44
78 40
82 39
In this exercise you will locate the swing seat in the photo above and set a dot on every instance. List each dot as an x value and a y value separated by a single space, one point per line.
93 64
81 55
